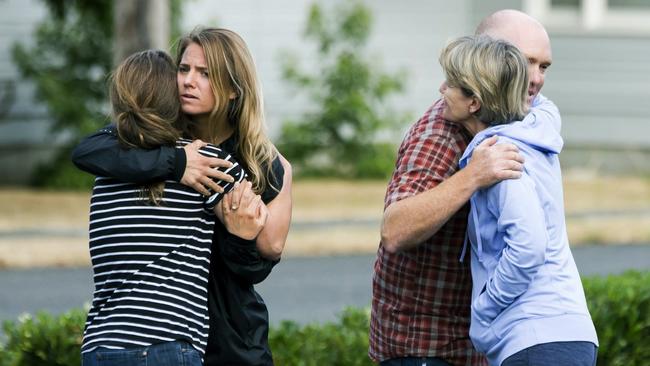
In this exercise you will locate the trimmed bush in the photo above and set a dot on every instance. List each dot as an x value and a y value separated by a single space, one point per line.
344 343
620 308
619 305
44 340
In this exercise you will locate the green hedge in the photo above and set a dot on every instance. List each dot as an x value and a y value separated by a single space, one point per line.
619 305
620 308
344 343
43 340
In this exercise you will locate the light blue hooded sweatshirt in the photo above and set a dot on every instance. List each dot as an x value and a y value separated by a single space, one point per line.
526 287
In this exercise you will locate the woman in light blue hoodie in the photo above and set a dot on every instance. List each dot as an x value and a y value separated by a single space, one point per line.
528 305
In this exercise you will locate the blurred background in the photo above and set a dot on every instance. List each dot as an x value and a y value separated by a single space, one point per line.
314 58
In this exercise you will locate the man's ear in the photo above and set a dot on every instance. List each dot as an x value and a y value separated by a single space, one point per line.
475 105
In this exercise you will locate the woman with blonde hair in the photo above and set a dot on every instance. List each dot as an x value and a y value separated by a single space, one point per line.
528 305
221 97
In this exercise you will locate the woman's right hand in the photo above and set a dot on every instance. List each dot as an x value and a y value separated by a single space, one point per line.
242 211
200 171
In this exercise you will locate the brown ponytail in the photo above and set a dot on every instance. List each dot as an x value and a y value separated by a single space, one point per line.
145 105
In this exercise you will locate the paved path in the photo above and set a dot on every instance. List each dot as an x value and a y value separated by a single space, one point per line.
301 289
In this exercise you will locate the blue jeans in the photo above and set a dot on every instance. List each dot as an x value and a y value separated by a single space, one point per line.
415 361
556 354
163 354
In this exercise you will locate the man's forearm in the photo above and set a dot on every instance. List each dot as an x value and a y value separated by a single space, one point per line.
411 221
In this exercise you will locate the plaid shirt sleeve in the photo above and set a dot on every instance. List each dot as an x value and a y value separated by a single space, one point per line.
427 156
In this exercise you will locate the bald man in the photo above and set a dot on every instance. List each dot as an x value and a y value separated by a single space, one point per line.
563 335
529 36
421 292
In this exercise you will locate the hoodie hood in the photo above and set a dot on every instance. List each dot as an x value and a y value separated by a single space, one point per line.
539 130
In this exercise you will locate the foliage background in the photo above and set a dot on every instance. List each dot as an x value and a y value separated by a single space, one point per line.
69 64
341 135
71 58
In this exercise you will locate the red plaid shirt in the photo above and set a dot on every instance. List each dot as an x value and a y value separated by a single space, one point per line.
421 296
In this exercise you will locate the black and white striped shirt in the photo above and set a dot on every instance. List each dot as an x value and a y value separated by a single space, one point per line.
151 263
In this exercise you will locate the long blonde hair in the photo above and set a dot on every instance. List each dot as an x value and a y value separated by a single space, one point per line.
493 71
231 70
145 105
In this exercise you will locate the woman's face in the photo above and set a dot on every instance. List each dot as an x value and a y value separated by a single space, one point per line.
197 98
458 106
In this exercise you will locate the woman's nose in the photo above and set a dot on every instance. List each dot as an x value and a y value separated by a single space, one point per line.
188 79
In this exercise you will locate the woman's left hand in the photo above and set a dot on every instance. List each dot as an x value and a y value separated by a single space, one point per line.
245 218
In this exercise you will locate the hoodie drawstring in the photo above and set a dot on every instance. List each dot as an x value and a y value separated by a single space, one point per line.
476 231
462 254
479 242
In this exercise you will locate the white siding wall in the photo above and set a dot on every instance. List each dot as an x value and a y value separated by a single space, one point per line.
602 85
599 82
405 36
24 126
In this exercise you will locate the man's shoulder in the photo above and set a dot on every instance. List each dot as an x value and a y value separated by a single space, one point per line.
432 126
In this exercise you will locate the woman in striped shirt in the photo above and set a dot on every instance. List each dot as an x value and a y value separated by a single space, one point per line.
150 244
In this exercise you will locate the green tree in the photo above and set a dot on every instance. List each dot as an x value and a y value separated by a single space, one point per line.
68 63
348 93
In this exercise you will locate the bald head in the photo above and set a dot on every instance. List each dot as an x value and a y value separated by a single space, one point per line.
528 35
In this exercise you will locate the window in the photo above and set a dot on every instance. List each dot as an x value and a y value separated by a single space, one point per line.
592 16
629 4
572 3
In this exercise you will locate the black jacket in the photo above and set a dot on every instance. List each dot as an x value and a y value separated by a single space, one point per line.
238 316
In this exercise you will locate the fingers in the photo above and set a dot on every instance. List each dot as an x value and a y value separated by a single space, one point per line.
511 157
217 163
492 162
235 195
508 152
505 151
242 194
200 188
508 174
209 168
247 195
194 146
505 148
514 166
488 142
219 175
197 144
211 184
202 171
263 215
226 203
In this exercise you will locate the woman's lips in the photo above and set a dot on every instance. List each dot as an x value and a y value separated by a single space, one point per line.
188 96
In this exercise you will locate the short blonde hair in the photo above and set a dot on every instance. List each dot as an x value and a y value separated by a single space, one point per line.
493 71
